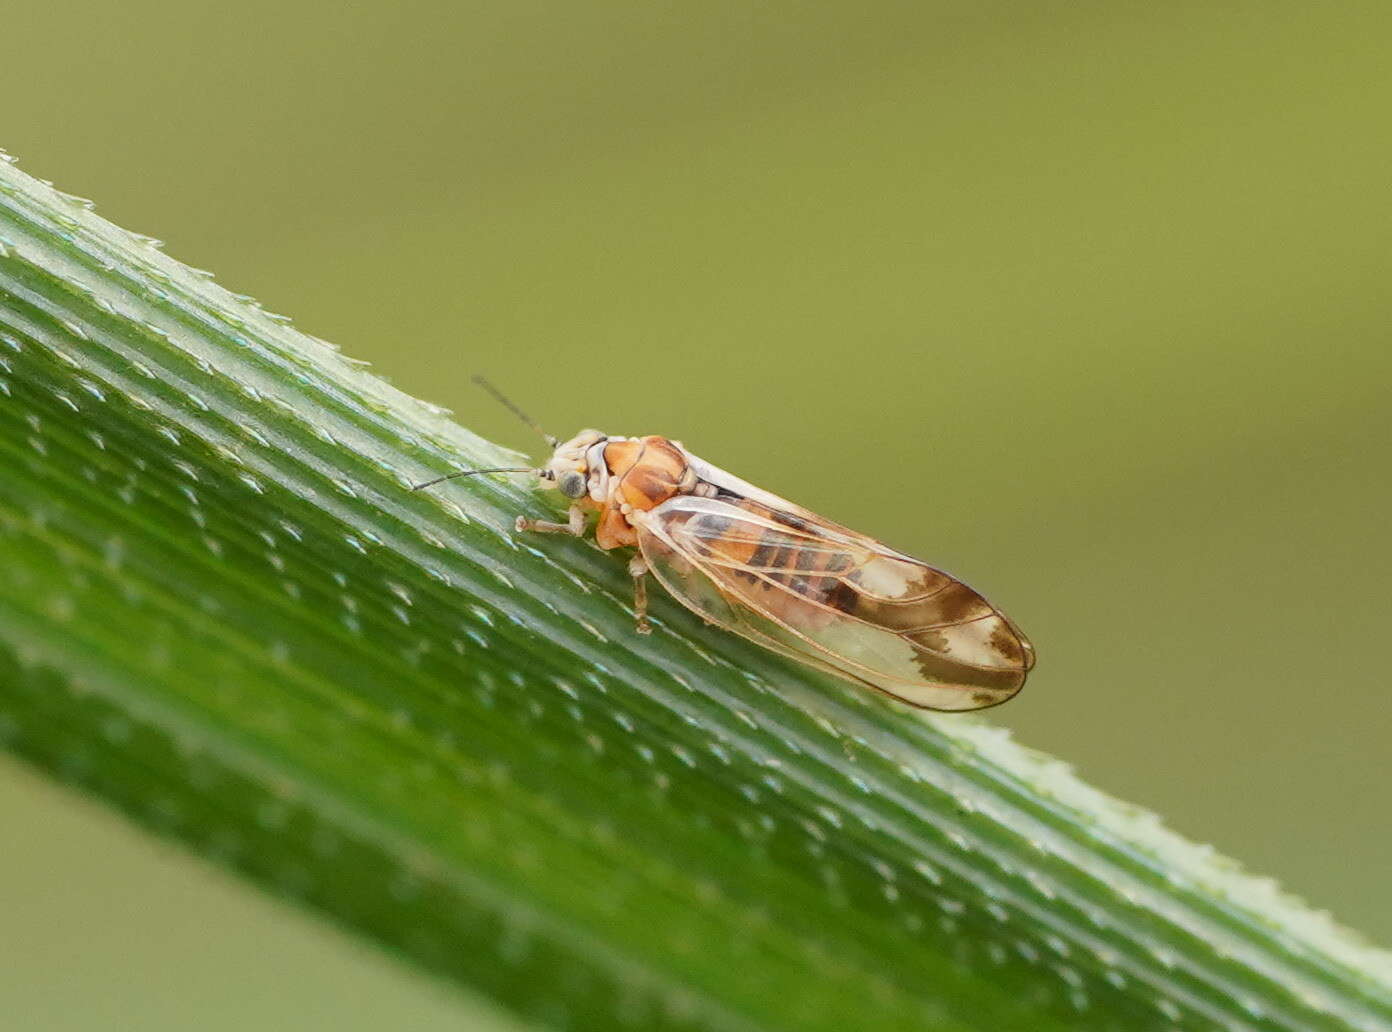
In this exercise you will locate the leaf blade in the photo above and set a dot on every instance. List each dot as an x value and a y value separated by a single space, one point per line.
223 605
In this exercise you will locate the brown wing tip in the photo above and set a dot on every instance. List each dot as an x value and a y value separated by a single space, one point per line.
1028 650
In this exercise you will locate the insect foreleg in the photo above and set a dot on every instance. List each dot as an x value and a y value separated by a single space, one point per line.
575 526
638 570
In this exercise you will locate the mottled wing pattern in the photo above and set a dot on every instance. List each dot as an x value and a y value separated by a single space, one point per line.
836 600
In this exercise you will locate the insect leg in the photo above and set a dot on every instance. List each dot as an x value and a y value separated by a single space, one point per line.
575 526
638 570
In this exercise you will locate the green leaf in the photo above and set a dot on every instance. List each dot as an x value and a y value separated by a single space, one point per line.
222 610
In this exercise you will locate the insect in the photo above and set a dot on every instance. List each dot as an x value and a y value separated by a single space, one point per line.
779 575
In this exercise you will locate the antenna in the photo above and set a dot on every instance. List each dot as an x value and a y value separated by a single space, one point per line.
550 440
472 473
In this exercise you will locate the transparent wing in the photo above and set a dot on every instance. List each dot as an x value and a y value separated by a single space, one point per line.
836 600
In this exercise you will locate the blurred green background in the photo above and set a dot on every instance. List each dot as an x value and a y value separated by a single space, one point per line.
1088 303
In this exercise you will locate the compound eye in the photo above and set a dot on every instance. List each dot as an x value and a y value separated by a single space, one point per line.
571 484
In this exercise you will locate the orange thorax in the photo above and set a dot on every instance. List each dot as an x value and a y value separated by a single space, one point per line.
644 472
